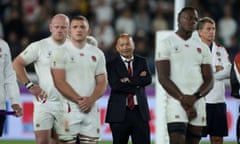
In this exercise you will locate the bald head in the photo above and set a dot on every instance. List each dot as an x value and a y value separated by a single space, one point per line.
59 28
61 17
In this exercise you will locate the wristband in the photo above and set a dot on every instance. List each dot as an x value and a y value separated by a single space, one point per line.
29 85
198 95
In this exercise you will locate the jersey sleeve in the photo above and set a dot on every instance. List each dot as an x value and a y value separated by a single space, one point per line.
162 51
207 57
225 62
31 53
101 67
58 59
10 80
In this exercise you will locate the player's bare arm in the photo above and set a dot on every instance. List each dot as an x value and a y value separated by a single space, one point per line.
87 102
207 79
163 68
59 78
19 66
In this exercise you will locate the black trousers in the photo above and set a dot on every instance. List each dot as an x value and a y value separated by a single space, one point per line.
2 120
133 126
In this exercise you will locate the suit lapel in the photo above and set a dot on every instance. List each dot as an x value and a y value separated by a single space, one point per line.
121 67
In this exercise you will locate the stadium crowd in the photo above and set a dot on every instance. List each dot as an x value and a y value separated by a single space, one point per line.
25 21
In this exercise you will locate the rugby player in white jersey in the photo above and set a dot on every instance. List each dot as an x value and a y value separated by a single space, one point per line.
79 73
184 71
8 84
47 106
217 126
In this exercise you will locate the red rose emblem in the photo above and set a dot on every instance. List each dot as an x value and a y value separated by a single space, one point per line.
94 58
199 50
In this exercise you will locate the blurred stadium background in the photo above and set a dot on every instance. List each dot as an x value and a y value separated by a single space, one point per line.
25 21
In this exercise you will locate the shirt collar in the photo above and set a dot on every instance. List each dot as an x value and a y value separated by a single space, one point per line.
125 59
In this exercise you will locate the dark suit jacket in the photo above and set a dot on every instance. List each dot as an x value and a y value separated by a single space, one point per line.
116 70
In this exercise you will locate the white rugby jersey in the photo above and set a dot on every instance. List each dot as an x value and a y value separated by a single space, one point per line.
186 57
81 67
219 57
8 80
40 53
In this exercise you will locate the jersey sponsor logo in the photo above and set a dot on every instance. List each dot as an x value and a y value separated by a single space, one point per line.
186 45
0 49
81 54
218 53
54 63
176 49
49 54
72 59
219 60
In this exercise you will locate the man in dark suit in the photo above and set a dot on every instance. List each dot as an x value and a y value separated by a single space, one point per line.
127 111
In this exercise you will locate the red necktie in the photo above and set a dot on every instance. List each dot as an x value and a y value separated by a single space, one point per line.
129 69
130 96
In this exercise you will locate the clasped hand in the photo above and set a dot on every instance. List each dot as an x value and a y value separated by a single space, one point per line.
84 103
187 102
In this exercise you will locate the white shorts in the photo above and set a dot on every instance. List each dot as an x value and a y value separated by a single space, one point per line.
45 115
176 113
76 122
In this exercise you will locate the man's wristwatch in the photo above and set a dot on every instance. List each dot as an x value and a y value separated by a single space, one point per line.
198 95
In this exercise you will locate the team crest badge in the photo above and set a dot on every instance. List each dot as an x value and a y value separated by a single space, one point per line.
94 58
199 50
218 53
0 49
81 54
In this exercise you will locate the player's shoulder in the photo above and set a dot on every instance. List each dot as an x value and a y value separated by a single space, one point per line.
3 45
42 42
219 45
2 41
169 40
170 37
94 48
